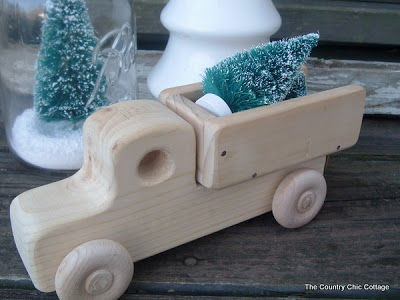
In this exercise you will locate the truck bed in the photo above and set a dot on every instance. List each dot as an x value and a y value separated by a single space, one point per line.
238 147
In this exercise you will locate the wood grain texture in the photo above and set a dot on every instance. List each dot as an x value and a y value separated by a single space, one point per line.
357 229
98 269
355 237
380 79
146 205
282 134
298 198
181 100
337 21
110 170
252 143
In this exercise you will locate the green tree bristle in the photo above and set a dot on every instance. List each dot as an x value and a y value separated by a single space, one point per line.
65 75
263 75
299 87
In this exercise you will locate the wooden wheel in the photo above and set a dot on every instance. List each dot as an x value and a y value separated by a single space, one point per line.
299 198
99 269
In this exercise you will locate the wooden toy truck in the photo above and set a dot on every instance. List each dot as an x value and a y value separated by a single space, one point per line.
160 174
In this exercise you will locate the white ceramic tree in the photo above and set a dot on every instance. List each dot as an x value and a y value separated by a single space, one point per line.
203 33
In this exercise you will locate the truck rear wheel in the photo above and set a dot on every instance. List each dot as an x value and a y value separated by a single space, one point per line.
99 269
299 198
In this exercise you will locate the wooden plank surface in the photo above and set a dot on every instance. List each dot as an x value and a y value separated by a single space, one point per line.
380 79
354 239
369 22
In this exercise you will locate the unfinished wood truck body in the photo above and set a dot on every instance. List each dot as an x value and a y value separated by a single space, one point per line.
157 175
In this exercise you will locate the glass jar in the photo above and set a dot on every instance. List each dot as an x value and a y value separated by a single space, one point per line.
61 60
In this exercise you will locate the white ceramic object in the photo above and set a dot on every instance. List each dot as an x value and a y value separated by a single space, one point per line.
214 104
204 32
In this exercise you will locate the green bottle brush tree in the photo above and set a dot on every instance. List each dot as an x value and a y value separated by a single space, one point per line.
66 75
50 135
263 75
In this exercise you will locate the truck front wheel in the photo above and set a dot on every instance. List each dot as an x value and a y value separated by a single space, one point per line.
299 198
99 269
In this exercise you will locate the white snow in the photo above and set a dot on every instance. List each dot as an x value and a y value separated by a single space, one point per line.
51 145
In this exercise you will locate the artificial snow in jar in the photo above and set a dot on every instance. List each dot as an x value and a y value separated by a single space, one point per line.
60 61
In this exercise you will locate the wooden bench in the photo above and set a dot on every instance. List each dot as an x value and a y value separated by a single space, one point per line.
354 239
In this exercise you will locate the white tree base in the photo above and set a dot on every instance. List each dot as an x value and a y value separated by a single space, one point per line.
50 145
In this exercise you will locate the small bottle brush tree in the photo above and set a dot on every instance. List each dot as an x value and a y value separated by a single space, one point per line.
50 135
65 74
264 75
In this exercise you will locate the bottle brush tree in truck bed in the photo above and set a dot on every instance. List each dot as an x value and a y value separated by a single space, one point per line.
65 74
264 75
